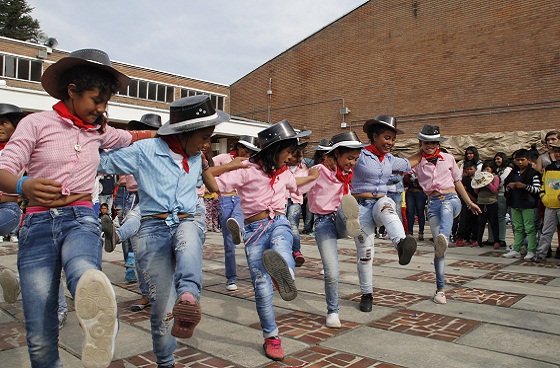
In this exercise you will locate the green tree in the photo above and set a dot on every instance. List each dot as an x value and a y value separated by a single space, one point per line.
15 21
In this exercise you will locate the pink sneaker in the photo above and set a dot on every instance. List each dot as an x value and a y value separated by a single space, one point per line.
273 348
299 259
439 297
187 314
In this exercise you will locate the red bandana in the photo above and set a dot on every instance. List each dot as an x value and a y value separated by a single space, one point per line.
233 154
175 146
275 173
63 111
344 179
2 145
432 158
376 152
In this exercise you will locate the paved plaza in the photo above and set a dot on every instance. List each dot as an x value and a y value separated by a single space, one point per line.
500 313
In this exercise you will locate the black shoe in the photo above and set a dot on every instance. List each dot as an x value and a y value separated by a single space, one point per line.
503 244
365 302
406 249
549 252
166 366
538 259
557 255
487 242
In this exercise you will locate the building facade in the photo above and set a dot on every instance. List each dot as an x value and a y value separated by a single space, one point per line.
151 91
482 70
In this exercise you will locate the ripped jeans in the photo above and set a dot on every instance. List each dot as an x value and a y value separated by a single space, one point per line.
170 260
441 212
261 235
375 212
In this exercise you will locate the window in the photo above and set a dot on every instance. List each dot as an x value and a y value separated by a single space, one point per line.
148 90
217 100
21 68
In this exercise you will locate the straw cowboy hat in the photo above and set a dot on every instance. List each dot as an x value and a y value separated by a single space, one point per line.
481 179
347 139
430 133
146 122
192 113
385 120
92 57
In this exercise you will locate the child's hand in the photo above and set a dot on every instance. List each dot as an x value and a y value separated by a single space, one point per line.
512 185
237 162
44 191
475 209
314 172
520 185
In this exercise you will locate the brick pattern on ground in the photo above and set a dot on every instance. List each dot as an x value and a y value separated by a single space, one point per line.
430 277
483 296
390 298
430 325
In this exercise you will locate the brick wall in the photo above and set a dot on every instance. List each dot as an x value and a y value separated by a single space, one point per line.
468 66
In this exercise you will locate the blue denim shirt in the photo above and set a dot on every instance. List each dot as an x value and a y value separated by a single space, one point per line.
163 186
371 176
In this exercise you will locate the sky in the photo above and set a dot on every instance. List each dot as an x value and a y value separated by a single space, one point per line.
213 40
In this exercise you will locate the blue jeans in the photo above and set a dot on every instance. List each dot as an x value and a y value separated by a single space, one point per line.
170 260
415 206
293 213
441 212
10 215
397 198
308 223
229 207
259 236
66 238
374 212
329 228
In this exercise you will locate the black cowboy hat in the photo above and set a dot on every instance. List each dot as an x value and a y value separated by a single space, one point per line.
385 120
9 109
347 139
322 146
280 131
92 57
249 142
430 133
192 113
146 122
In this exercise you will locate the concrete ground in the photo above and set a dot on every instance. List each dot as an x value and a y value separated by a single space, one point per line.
500 313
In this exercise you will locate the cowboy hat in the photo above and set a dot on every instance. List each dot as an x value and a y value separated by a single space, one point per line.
430 133
481 179
248 142
385 120
9 109
347 139
322 146
92 57
280 131
146 122
192 113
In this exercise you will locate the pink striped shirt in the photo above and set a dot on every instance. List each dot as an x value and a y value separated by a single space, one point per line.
440 177
254 190
300 171
52 147
326 192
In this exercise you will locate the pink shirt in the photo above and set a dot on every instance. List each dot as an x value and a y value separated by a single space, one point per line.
52 147
254 190
326 192
224 158
440 177
130 183
300 171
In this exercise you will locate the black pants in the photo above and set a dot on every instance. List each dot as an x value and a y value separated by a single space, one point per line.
489 214
468 224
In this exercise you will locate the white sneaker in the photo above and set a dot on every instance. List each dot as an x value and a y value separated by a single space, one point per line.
10 285
529 256
512 254
351 211
231 287
333 321
96 309
233 227
1 239
439 298
441 245
13 239
322 271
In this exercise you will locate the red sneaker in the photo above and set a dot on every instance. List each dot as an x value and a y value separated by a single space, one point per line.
187 314
273 348
459 242
474 244
298 257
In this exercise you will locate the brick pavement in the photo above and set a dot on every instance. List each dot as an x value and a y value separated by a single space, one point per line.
407 311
